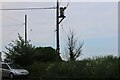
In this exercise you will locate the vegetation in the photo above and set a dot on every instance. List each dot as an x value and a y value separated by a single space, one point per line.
20 52
42 63
100 67
45 54
25 54
73 49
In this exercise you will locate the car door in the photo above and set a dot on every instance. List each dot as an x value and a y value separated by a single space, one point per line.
0 71
5 70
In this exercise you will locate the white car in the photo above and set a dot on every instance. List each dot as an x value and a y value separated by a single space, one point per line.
12 70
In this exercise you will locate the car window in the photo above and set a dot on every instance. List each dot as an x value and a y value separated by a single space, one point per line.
4 66
0 66
14 66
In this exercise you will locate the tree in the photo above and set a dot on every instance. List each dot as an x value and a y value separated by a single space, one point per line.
74 50
20 52
24 54
45 54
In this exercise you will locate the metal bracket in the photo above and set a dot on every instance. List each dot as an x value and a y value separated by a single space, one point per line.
61 20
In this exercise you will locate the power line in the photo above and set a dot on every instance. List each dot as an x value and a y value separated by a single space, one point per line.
60 2
15 30
12 25
29 8
18 21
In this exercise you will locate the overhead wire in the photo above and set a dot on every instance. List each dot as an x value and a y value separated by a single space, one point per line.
67 3
32 8
60 2
64 33
28 8
13 19
12 25
36 8
15 30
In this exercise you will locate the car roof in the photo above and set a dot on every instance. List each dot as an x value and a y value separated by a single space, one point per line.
5 63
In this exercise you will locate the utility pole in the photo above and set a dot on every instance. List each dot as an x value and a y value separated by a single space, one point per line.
59 18
25 29
57 28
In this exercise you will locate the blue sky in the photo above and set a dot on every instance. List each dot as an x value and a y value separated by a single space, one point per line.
95 23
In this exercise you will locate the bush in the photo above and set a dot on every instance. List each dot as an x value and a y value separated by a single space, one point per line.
100 67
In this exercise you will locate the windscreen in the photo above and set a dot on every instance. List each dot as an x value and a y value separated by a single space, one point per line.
14 66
